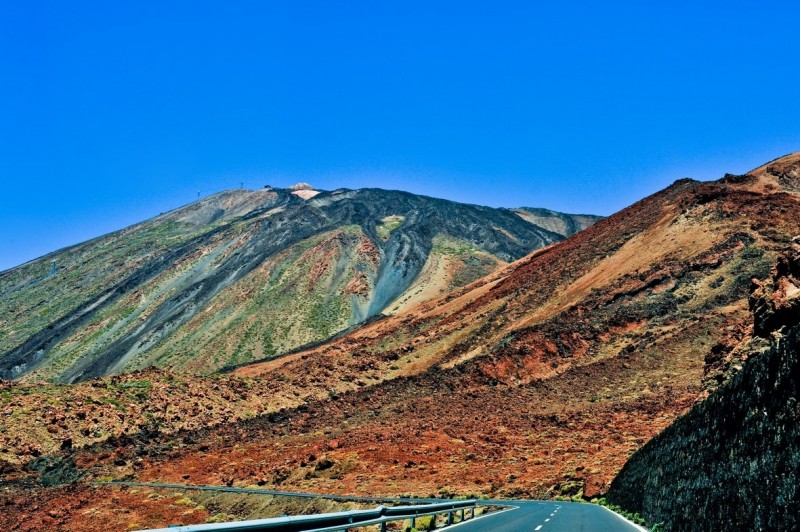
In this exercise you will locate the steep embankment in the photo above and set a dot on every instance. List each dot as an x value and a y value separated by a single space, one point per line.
732 462
243 275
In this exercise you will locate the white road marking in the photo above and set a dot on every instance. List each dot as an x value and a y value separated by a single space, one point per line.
546 520
538 527
631 523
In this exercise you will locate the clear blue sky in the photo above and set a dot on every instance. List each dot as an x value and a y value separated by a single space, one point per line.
111 112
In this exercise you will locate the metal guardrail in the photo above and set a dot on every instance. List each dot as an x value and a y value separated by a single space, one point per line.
338 521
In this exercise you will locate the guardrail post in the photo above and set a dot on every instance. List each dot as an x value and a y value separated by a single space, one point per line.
449 518
414 522
383 526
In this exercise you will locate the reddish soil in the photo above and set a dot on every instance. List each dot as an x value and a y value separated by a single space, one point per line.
93 509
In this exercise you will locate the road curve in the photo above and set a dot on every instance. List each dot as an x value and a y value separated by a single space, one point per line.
547 516
521 516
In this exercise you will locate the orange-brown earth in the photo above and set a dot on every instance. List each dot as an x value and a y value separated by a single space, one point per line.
539 380
103 508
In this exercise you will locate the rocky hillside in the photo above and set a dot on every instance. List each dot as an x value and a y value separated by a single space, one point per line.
244 275
735 457
539 380
592 346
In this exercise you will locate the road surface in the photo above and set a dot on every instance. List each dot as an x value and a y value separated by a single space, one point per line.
547 516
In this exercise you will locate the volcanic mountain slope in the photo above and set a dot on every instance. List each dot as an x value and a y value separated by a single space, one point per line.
630 282
538 380
244 275
544 377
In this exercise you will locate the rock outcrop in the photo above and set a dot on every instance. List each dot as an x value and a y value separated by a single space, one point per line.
777 304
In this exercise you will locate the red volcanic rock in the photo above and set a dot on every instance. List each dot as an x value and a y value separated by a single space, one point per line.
778 303
594 486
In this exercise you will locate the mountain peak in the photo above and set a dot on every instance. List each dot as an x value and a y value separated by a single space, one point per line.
784 171
781 174
303 190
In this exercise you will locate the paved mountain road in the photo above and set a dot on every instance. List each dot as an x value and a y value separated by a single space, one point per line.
521 516
546 516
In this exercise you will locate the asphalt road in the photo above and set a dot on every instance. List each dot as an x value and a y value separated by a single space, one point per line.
546 516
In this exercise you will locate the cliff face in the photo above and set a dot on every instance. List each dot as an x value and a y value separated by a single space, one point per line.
733 461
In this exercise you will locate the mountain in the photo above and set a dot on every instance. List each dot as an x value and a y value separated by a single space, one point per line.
245 275
538 380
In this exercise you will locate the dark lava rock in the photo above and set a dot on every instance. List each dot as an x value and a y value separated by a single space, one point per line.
55 470
776 304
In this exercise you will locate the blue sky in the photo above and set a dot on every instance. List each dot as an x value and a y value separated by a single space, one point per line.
111 112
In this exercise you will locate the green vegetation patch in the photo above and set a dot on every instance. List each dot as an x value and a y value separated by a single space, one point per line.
390 223
447 245
630 516
136 390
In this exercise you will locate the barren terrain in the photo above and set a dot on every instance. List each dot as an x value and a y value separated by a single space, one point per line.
539 380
